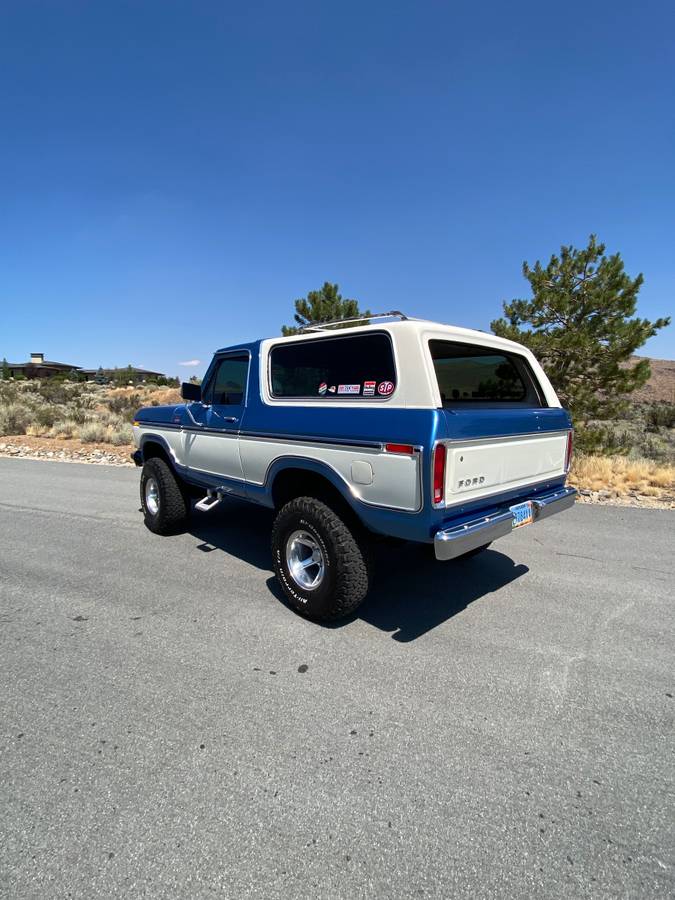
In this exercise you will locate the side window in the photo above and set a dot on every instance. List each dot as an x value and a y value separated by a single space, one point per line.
227 387
361 366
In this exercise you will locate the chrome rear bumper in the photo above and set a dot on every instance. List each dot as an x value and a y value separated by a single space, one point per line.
453 542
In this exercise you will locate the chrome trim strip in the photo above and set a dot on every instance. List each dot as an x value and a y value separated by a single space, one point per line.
497 438
311 439
453 542
267 436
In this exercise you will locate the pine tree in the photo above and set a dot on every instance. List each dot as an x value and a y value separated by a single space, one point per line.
579 325
5 370
324 305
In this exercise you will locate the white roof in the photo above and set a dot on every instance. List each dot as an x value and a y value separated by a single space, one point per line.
413 326
417 386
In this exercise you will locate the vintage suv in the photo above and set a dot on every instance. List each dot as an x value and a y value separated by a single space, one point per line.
395 427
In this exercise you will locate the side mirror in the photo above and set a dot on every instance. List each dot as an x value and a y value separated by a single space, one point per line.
189 391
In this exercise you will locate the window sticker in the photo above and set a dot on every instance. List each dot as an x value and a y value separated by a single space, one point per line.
323 387
385 388
332 389
369 388
349 389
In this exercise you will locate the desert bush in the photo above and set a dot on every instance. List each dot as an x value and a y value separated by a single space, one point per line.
37 430
660 415
45 416
125 404
64 429
92 432
9 392
55 391
120 436
14 419
76 413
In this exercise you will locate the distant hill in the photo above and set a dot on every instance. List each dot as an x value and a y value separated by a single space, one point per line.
661 386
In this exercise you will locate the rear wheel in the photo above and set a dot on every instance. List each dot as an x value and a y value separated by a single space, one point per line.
162 498
322 568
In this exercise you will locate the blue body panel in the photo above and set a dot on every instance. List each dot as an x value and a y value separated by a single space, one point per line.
367 426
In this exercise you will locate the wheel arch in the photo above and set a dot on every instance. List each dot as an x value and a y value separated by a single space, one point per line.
290 477
153 445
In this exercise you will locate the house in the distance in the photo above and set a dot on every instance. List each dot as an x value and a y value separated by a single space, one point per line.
39 367
127 373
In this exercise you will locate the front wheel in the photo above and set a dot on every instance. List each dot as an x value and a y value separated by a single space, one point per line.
163 501
321 567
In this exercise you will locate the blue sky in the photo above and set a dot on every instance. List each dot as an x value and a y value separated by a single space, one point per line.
174 174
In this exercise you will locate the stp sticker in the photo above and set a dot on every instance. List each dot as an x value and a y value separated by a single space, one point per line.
385 388
369 388
323 387
349 389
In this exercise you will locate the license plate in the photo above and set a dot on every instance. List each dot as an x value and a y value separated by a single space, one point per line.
522 514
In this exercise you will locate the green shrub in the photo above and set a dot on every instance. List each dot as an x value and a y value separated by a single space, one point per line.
125 404
45 416
660 415
92 432
120 436
54 391
14 419
65 429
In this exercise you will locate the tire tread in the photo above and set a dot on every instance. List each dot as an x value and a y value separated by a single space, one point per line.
353 558
173 508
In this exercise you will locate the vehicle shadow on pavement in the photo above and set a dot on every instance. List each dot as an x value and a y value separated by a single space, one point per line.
412 592
237 528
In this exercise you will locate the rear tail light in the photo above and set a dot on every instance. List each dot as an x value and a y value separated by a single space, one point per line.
568 452
439 473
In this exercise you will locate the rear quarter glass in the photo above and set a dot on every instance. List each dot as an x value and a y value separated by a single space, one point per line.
483 377
336 367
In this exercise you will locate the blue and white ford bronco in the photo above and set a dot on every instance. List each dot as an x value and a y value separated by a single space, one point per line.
395 427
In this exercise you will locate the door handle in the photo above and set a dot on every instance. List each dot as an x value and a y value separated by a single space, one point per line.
230 419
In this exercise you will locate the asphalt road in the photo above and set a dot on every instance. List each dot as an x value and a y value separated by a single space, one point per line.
501 727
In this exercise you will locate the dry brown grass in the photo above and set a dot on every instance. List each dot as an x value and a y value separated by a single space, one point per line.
622 476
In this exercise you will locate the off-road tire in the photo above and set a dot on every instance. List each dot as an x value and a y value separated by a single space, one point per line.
346 553
173 505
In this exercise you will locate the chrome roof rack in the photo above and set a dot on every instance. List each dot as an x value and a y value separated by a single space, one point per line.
354 322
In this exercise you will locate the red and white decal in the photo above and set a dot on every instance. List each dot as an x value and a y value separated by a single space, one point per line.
323 387
332 389
349 389
385 388
369 388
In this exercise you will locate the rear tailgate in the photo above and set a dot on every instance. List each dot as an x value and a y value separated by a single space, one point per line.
482 467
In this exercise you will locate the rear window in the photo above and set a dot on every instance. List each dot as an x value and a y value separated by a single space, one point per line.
468 374
335 368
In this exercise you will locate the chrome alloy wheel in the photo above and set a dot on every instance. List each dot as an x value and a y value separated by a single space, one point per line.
152 496
305 561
